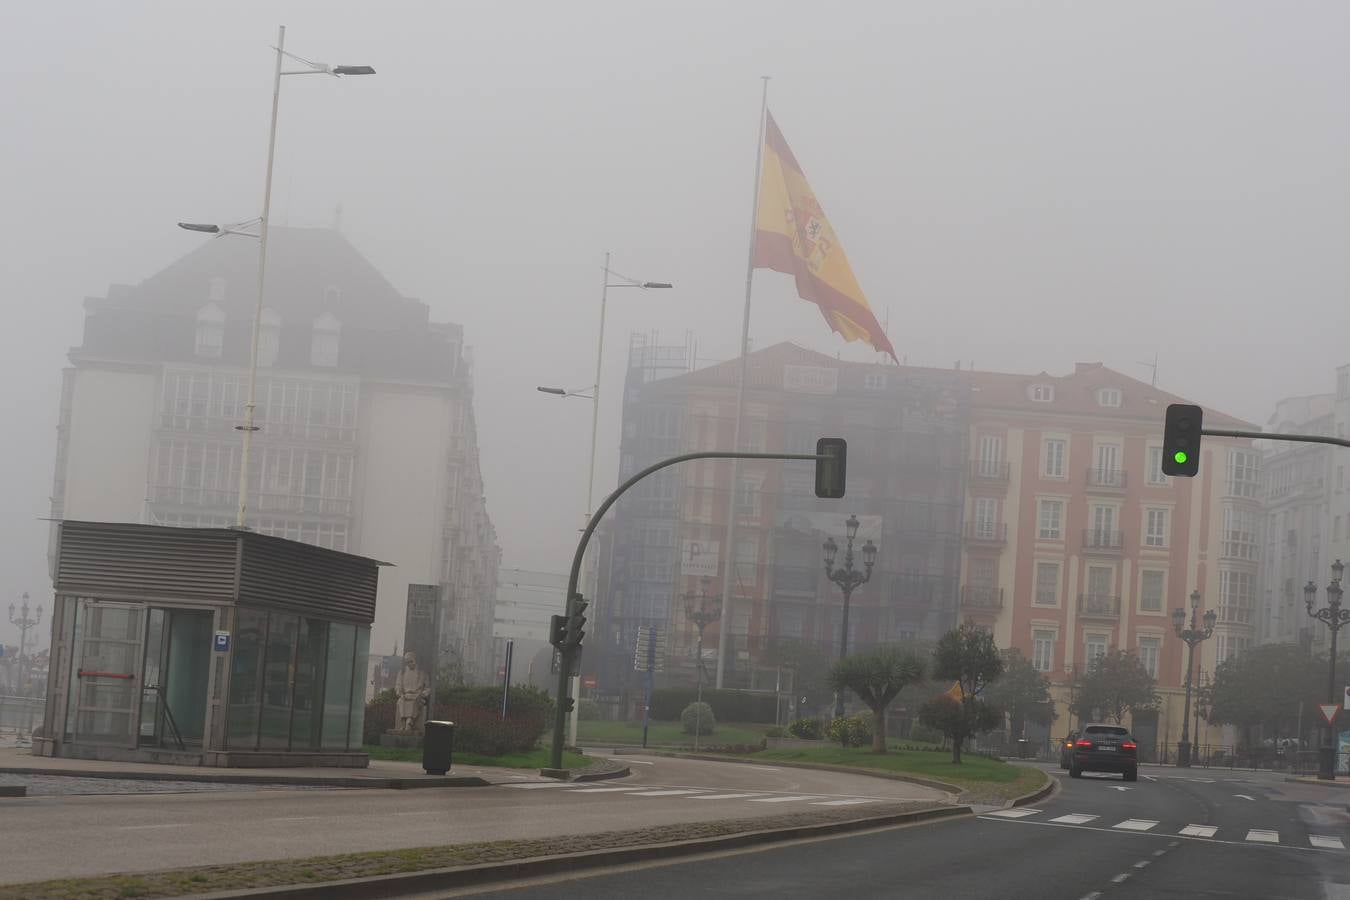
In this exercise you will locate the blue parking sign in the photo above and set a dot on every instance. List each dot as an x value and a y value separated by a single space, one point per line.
222 642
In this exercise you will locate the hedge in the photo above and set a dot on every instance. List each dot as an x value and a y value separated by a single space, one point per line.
476 712
727 705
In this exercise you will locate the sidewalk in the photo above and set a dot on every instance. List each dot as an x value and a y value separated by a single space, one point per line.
381 773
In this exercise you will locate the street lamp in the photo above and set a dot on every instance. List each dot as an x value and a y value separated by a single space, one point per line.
708 610
1192 636
594 397
310 68
24 622
1333 617
848 578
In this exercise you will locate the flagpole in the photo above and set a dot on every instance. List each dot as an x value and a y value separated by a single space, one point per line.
728 552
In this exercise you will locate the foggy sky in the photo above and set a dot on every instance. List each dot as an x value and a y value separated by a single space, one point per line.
1018 185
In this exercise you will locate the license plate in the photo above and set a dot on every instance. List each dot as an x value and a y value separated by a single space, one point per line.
1107 747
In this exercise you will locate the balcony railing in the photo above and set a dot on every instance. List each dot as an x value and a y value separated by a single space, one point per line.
1099 540
1109 479
1101 606
987 531
979 597
990 470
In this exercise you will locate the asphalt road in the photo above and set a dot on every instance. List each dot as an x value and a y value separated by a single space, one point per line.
140 832
1170 835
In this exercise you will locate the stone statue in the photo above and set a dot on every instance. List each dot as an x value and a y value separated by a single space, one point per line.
413 692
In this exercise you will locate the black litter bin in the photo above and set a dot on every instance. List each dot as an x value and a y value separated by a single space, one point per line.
438 745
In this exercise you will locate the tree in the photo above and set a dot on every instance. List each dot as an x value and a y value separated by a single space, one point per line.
968 656
1021 693
1263 687
876 676
1115 684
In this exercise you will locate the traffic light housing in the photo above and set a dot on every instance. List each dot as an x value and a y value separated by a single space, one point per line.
1181 440
831 470
576 622
568 704
557 630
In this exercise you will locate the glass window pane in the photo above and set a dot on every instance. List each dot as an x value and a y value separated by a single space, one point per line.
338 685
250 631
278 679
308 685
358 723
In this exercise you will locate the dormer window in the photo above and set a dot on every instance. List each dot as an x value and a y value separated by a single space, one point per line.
323 350
1110 397
1042 393
269 338
210 331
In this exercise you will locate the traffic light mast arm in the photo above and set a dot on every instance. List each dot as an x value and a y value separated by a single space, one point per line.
1270 436
559 712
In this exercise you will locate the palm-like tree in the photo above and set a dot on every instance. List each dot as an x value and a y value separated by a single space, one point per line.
877 676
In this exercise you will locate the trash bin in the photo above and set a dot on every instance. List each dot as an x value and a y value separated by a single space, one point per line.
438 744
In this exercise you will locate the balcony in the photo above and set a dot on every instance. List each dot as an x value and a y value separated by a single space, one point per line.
986 531
1099 606
1099 540
979 597
1099 479
990 471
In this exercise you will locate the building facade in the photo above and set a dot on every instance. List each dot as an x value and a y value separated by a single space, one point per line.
366 444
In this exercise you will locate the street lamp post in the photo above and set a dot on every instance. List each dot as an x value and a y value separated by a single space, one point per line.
708 610
606 284
264 221
24 621
1333 616
848 578
1192 636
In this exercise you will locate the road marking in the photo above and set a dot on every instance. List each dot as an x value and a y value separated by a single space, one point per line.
785 799
1142 864
635 762
724 796
661 793
602 790
1150 778
841 802
1244 797
539 785
1119 788
1092 896
765 768
1291 847
1201 780
421 812
1121 878
145 827
1135 824
1159 852
1075 819
1204 831
1013 813
1262 836
1326 842
294 818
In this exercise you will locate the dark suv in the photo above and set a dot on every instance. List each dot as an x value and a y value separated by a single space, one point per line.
1105 748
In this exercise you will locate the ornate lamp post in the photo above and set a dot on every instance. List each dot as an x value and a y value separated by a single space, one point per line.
702 610
1333 617
1193 635
848 578
24 622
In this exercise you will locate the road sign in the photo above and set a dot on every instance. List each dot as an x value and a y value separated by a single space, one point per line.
1328 711
221 643
591 682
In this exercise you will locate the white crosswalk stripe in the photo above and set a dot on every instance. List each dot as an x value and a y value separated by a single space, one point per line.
1135 824
1074 819
840 802
1326 842
1204 831
1263 836
1013 813
782 799
1252 835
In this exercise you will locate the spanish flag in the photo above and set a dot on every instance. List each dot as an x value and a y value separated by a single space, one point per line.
793 236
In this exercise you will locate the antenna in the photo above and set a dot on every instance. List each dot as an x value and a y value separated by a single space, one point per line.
1153 382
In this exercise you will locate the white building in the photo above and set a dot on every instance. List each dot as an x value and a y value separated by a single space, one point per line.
367 440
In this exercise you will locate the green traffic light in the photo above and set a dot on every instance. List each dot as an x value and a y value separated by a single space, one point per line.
1181 456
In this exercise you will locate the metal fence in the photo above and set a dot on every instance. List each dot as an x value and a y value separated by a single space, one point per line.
21 715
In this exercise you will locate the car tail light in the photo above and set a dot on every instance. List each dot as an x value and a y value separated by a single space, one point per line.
1085 743
1128 745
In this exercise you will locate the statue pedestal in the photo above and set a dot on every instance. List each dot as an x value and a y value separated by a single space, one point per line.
400 739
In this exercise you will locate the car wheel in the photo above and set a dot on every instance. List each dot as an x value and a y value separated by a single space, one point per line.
1075 772
1132 775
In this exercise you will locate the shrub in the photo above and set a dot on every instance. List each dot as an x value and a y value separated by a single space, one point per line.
774 732
851 731
925 734
698 717
806 729
476 712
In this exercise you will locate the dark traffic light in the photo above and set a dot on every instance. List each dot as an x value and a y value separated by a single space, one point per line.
1181 440
576 622
831 470
557 630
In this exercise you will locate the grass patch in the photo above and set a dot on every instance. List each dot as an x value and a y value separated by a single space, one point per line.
665 734
533 759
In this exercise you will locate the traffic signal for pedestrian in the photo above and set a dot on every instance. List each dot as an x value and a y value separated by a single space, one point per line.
831 468
557 630
1181 440
576 622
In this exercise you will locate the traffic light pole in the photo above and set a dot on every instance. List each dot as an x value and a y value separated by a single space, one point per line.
570 648
1267 436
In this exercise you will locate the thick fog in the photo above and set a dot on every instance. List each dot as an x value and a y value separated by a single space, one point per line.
1018 186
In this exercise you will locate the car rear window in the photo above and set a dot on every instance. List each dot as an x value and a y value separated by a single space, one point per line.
1107 729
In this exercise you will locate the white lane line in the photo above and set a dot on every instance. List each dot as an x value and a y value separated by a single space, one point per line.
785 799
724 796
147 827
602 790
842 802
1204 831
1092 896
1159 852
661 793
294 818
1135 824
1013 813
1150 778
1142 864
1245 797
635 762
1121 878
765 768
420 812
1263 836
1075 819
1326 842
540 785
1202 780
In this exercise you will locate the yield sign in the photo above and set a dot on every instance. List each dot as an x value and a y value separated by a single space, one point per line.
1329 711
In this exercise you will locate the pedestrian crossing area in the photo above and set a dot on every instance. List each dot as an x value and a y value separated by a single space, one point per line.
1231 834
768 798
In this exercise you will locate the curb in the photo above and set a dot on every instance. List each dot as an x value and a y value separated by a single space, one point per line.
466 876
430 781
823 767
1052 785
604 774
1314 780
